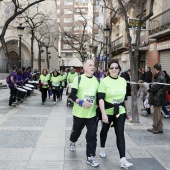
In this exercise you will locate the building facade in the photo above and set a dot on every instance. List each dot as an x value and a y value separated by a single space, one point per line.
159 50
12 39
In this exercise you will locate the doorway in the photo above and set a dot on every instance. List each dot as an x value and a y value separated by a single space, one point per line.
15 59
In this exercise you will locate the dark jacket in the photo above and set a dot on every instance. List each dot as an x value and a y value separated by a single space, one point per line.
158 92
148 77
126 76
141 76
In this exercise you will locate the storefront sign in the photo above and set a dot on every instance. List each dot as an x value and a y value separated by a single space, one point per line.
163 45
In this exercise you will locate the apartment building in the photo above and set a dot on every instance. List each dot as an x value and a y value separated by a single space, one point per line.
159 50
119 43
72 14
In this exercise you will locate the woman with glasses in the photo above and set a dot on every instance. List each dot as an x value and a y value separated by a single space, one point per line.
112 96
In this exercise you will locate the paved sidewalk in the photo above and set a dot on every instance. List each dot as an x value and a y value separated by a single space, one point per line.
36 137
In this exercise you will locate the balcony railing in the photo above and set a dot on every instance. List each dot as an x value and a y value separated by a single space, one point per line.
117 44
160 22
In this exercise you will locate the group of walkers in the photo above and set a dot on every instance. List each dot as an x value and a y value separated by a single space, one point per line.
99 96
18 78
53 83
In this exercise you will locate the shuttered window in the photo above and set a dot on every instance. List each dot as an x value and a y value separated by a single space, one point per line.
165 60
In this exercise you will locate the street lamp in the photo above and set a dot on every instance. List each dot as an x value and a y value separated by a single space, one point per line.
20 31
91 48
49 57
106 35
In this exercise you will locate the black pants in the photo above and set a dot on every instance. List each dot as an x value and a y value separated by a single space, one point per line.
13 92
43 94
91 136
119 131
61 92
55 94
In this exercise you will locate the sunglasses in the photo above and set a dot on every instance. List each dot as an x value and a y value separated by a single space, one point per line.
116 68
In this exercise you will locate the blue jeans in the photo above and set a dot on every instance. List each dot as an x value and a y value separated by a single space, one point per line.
164 108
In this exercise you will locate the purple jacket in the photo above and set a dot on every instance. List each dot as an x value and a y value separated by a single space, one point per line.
14 75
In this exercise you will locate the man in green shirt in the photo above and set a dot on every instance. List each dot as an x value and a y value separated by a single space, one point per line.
71 75
83 93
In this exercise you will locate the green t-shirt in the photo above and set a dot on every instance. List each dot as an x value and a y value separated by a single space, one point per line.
55 81
63 79
87 91
71 77
44 80
115 91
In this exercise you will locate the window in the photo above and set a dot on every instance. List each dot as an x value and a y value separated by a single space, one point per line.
67 28
67 20
68 2
58 11
66 46
67 11
78 27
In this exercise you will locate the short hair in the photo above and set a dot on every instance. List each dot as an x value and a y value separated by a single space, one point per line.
19 71
14 67
157 67
114 61
140 81
85 61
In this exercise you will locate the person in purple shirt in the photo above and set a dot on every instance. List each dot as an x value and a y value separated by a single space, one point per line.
28 74
19 79
24 74
12 86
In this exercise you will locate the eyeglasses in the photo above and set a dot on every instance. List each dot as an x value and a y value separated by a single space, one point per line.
116 68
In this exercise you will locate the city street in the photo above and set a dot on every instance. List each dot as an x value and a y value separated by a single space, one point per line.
36 137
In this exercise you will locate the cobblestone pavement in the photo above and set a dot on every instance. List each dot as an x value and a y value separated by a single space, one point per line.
36 137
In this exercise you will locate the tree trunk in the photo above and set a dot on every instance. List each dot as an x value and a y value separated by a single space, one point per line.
32 48
5 49
39 58
134 70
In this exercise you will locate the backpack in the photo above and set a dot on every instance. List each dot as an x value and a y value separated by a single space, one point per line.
8 79
79 78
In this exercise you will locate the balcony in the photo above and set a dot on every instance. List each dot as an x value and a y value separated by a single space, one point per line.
117 46
160 25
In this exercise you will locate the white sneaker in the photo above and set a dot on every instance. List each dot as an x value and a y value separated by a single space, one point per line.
124 163
102 153
72 146
91 160
55 102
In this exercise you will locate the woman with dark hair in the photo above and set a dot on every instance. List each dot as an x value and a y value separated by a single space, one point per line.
44 84
19 79
63 81
112 102
55 85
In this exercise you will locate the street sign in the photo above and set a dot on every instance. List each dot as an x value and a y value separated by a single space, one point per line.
134 23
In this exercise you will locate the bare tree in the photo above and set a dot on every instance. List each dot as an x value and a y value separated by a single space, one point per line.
46 36
78 37
33 22
124 7
18 8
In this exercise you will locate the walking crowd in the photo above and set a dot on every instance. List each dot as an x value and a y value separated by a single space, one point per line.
100 96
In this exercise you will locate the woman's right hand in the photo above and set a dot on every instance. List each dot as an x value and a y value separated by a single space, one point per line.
105 118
